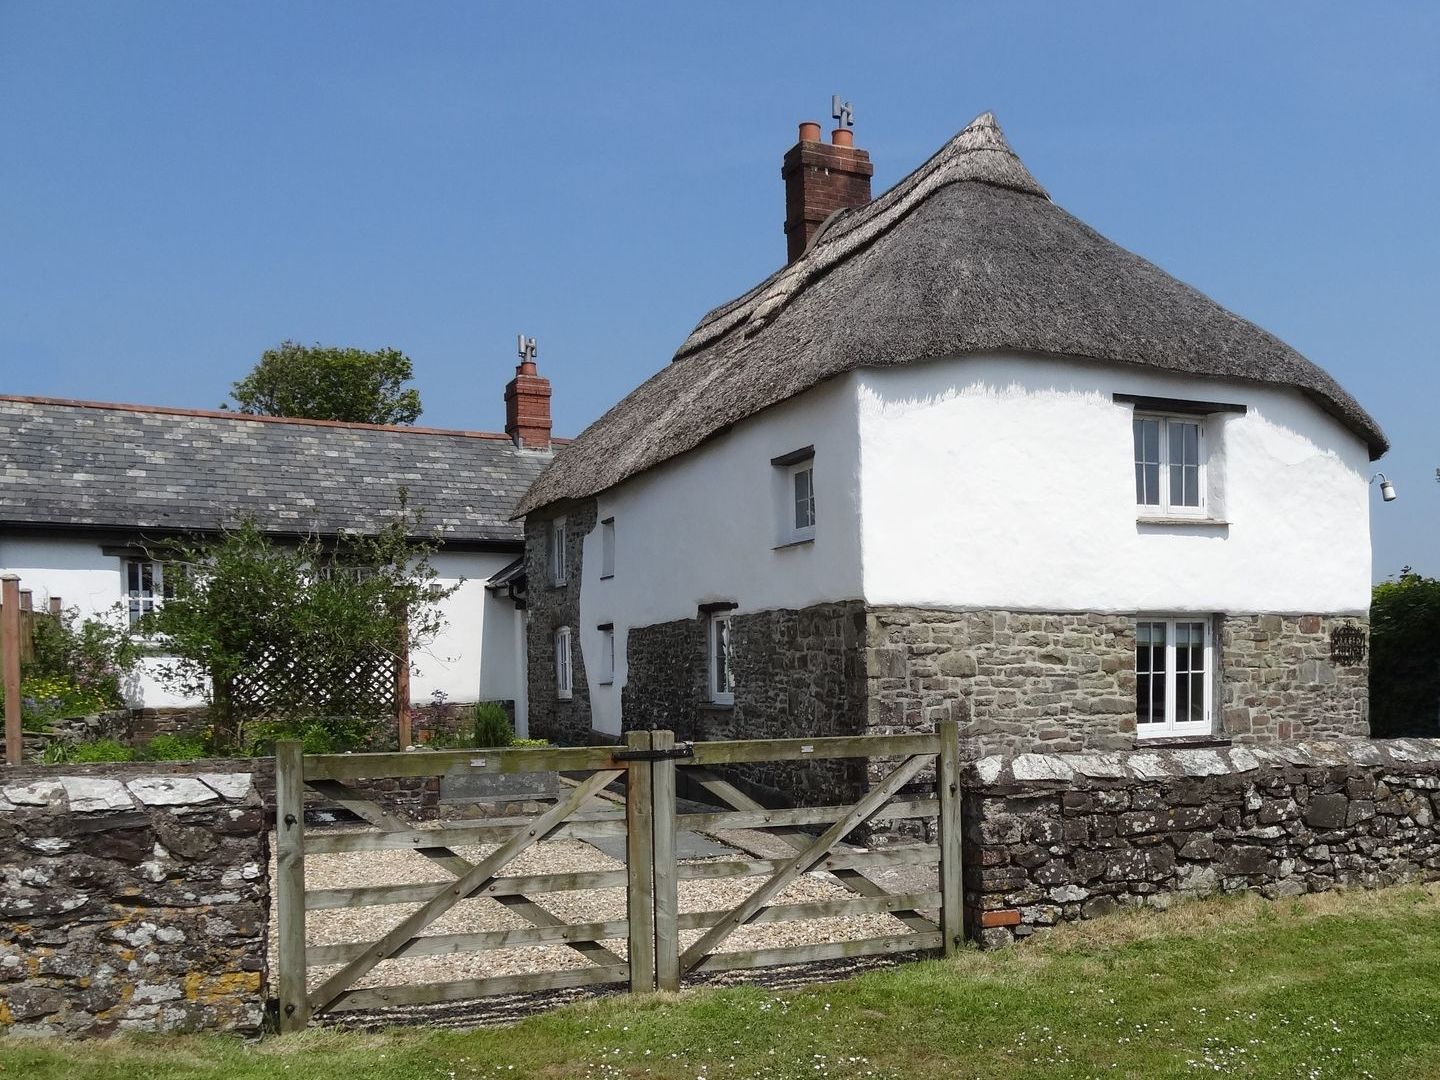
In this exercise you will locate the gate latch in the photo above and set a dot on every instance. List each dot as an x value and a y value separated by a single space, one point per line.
682 750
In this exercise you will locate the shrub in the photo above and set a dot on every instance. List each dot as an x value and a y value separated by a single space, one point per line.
47 698
318 735
492 727
91 656
173 748
81 753
1404 663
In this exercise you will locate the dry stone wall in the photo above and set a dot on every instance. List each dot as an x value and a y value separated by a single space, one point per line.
132 901
1051 838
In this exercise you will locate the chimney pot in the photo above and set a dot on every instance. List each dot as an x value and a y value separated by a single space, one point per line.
842 137
809 131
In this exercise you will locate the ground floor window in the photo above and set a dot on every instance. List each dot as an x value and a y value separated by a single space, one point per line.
563 686
1174 673
145 587
722 676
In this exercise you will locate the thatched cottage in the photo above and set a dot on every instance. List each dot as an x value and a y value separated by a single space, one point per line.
961 457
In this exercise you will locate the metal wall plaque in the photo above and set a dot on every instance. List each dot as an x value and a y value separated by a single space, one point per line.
1347 645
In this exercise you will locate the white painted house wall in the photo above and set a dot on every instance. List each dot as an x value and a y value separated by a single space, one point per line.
702 528
474 658
1007 481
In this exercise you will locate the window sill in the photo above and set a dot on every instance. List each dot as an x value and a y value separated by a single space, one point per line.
1180 522
606 682
1181 742
717 706
797 542
606 577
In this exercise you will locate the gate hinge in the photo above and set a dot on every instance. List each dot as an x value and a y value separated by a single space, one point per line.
683 750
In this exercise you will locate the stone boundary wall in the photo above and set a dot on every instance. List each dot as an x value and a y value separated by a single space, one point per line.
1056 837
132 903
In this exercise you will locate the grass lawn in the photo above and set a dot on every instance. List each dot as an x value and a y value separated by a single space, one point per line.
1336 985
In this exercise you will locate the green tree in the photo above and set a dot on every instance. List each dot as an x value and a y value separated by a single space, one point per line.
322 383
1404 656
243 601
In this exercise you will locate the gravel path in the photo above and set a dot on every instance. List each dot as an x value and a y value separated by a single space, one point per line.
562 856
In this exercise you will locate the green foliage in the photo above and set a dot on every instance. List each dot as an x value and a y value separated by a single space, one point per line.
1404 658
242 599
492 726
322 735
47 698
79 664
82 753
330 384
173 748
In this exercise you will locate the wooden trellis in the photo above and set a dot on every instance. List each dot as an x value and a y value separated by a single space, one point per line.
364 685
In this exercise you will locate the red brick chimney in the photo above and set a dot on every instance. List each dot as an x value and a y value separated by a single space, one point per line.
527 402
821 178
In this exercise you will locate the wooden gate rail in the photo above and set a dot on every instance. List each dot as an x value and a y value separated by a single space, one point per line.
652 926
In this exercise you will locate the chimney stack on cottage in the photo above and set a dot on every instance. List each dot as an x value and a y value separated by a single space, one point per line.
821 178
527 401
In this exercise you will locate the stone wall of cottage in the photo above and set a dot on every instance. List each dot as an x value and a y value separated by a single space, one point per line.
797 673
1066 682
132 901
1052 838
1280 681
549 607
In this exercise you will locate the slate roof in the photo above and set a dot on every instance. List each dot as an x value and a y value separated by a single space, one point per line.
967 254
78 463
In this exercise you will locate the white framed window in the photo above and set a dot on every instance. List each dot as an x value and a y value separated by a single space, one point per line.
1170 465
607 548
558 569
1174 676
563 671
607 655
721 673
145 587
795 496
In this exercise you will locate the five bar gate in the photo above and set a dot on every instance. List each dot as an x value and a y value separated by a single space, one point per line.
650 821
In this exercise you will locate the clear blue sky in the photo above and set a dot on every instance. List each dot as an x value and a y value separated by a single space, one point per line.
183 185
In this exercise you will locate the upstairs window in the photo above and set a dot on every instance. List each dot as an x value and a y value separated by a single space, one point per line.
563 676
1169 465
607 548
145 587
1174 672
558 568
796 488
721 673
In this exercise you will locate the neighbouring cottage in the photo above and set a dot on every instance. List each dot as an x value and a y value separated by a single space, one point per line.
90 488
961 457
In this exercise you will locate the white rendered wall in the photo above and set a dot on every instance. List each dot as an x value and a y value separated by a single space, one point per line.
1007 481
474 658
703 528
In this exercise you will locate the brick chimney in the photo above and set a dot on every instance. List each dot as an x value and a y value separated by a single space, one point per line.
821 178
527 402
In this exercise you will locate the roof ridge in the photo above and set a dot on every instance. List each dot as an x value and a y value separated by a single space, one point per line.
226 414
853 229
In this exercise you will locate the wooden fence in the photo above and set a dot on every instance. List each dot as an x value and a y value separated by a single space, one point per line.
17 647
650 820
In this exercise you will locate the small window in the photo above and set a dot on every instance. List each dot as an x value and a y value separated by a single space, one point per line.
722 675
563 685
1174 672
607 655
607 548
145 587
1169 466
795 491
558 569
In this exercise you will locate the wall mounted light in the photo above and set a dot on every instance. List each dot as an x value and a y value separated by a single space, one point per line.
1387 489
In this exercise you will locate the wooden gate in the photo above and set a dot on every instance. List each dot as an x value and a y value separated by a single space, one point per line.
652 928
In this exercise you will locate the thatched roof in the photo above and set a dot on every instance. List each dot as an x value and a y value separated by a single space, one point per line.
965 255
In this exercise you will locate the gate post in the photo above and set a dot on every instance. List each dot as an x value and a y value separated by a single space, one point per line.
290 883
640 865
952 882
667 936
